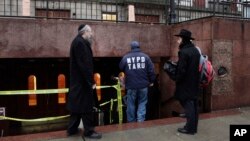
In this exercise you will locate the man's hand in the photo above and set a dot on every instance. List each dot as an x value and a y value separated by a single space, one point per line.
93 86
151 85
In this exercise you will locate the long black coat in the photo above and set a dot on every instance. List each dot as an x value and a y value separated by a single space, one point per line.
80 97
187 74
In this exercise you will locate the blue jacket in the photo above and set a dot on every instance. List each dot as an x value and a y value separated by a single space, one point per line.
138 69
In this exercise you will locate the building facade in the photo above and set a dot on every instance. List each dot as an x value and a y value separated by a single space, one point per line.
36 35
148 11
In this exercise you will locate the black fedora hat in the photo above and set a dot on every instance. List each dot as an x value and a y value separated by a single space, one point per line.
185 34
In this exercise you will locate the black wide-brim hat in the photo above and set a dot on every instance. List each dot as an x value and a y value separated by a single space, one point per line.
185 34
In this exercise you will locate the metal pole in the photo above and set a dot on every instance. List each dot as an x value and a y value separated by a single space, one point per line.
10 7
4 7
47 9
2 131
35 7
172 14
116 6
215 1
166 12
17 7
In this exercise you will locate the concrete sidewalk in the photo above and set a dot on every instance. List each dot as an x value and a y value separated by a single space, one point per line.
212 127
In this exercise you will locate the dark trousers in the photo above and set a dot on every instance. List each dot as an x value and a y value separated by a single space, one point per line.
192 114
87 120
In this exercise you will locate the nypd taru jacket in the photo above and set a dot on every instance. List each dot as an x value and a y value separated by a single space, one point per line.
138 69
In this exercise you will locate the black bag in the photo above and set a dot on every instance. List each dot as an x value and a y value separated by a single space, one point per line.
170 68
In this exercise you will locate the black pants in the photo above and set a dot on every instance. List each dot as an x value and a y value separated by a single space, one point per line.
192 114
87 120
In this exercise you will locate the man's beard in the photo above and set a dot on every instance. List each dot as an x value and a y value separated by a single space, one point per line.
90 40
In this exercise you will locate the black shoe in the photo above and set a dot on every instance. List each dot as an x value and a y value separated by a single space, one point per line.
182 115
93 135
74 133
185 131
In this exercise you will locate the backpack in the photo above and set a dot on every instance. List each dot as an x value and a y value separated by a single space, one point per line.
170 68
205 69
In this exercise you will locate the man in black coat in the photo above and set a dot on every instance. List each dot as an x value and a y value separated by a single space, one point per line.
80 101
187 80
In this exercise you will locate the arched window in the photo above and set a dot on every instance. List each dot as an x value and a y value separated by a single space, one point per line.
61 85
32 86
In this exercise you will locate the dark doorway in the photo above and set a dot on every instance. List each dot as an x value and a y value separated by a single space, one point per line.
14 74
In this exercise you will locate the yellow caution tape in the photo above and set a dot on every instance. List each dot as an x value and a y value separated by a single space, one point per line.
42 91
34 120
102 87
119 102
65 90
105 103
110 111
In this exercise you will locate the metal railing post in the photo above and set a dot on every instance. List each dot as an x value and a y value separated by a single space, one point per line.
166 12
47 9
215 1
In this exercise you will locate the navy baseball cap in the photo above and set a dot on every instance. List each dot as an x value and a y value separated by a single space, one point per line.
134 44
